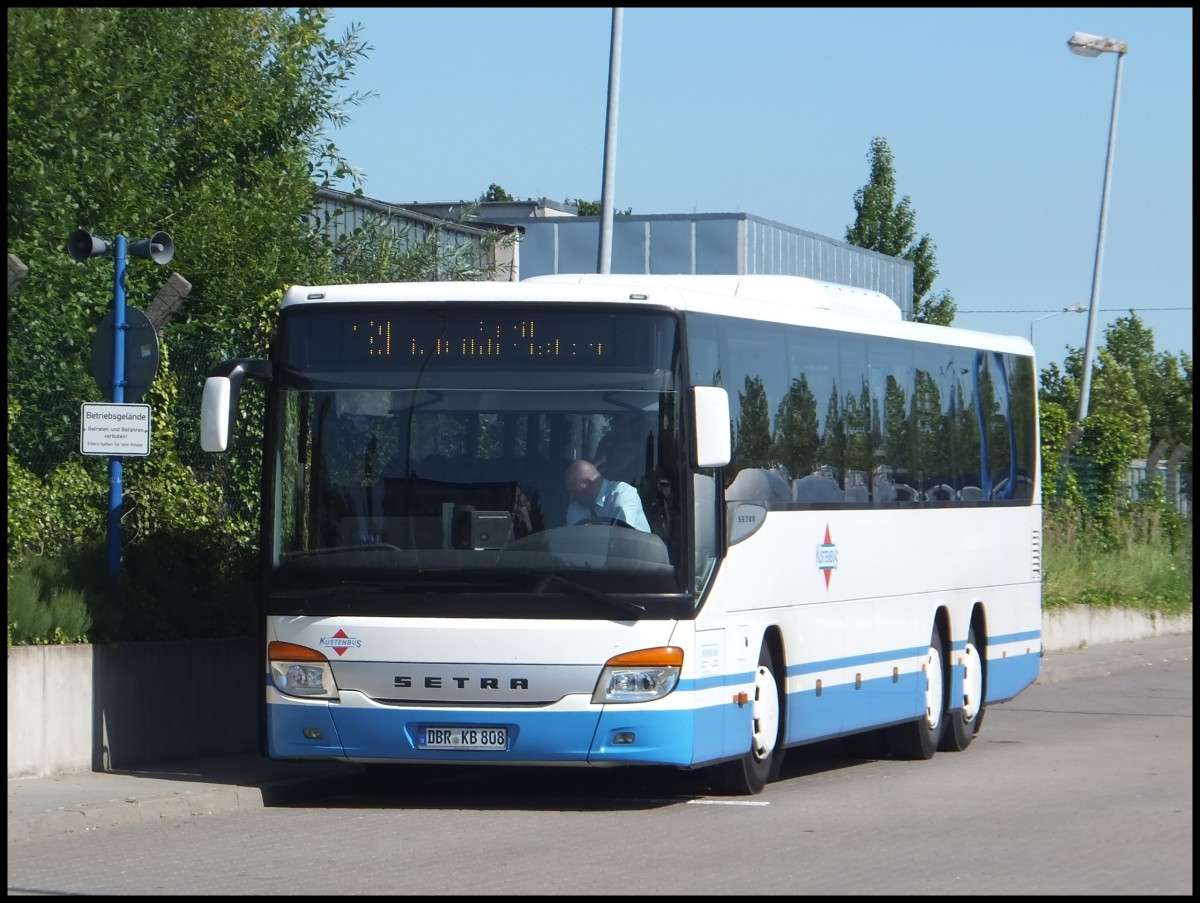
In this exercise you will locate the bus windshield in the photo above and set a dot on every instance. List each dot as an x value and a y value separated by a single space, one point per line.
427 452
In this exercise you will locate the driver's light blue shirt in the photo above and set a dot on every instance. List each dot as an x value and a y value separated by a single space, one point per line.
615 500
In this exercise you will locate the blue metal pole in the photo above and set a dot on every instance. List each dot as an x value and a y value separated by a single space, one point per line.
115 475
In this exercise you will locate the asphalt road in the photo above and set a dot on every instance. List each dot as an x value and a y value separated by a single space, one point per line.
1079 786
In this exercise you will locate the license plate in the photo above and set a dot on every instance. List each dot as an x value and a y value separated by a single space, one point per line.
448 736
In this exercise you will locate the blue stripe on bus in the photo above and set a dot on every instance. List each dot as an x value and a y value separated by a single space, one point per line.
693 685
871 658
850 661
1021 636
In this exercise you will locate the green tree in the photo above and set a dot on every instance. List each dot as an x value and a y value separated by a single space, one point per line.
888 226
592 208
1060 488
208 123
1162 382
112 128
1116 431
495 193
1139 398
381 251
584 208
1061 386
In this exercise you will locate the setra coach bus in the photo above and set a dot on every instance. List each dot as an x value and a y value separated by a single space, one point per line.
840 524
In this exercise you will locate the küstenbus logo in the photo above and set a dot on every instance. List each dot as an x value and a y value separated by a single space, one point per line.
341 641
827 556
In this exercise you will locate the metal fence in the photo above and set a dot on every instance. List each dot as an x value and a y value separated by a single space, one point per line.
1177 490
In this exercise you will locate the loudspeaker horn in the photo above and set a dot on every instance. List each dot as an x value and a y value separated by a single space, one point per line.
158 247
82 244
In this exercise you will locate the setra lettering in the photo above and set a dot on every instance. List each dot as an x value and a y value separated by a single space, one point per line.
430 682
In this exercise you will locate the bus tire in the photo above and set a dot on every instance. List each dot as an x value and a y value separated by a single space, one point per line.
749 774
920 739
963 725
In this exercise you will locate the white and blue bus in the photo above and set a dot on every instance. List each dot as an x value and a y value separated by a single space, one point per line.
844 520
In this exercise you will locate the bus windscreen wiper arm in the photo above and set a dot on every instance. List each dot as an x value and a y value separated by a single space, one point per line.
615 601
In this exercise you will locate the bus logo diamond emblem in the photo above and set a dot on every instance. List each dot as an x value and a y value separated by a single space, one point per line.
341 641
827 556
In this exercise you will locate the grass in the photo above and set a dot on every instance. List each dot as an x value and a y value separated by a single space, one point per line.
1123 571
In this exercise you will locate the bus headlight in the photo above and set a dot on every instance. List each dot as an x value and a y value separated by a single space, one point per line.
639 676
300 671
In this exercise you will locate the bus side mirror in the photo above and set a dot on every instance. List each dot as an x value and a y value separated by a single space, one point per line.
219 404
216 415
710 404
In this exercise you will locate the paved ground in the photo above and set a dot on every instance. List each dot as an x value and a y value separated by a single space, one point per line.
46 806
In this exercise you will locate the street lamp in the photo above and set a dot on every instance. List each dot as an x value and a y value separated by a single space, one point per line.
1093 45
604 257
1070 309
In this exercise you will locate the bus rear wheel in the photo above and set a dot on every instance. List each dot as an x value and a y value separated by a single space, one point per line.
748 774
920 739
963 725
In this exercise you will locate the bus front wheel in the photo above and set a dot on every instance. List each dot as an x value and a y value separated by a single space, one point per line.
920 739
749 773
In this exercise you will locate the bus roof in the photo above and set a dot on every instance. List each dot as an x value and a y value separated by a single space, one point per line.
783 299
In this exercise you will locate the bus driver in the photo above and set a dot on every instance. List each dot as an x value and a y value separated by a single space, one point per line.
594 496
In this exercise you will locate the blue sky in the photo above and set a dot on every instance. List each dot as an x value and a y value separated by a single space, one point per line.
998 132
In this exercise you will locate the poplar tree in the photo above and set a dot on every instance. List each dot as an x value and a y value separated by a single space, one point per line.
888 226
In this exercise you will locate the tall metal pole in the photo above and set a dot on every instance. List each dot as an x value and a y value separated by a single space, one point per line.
604 261
1085 387
116 487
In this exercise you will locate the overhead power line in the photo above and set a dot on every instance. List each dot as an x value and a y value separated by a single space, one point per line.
1108 310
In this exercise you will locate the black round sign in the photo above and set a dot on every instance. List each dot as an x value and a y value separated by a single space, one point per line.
141 354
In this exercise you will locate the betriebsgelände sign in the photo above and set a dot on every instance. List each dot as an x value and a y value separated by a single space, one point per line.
114 429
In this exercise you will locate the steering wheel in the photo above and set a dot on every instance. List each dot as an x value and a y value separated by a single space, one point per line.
607 521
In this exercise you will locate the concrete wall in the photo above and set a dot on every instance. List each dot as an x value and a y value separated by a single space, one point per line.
49 709
116 708
1071 628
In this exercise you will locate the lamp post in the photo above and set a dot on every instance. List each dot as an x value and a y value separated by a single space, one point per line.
1093 45
604 256
1069 309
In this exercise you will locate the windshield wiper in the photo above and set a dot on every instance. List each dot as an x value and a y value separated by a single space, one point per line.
609 599
337 550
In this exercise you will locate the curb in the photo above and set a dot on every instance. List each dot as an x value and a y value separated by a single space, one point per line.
119 812
155 799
